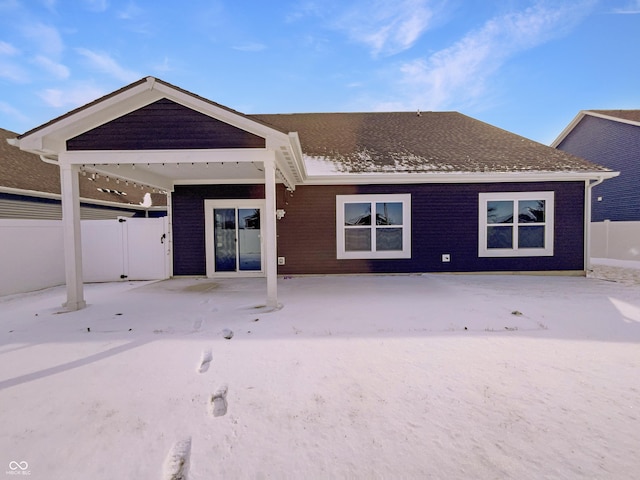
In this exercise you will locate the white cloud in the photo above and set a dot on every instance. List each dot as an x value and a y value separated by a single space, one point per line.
459 74
631 8
11 111
46 38
164 66
387 27
8 49
130 12
13 72
56 69
105 64
74 96
250 47
97 5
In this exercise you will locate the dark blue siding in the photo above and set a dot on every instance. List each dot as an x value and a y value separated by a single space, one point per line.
444 220
189 256
617 146
164 125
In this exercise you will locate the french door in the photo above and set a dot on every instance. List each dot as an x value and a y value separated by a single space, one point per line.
233 236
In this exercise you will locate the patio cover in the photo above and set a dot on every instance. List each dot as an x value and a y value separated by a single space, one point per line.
162 162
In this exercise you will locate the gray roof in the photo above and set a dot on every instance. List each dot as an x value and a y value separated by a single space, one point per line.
407 142
25 171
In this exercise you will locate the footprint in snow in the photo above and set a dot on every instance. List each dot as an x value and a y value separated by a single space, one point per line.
218 403
205 361
176 465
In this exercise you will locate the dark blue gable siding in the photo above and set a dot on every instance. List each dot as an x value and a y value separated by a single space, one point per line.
444 220
164 125
187 203
617 146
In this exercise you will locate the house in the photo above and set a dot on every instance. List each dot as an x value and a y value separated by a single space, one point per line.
610 138
30 189
448 193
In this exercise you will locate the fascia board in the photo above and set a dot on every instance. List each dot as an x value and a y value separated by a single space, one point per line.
568 129
612 118
228 116
400 178
113 157
580 116
51 138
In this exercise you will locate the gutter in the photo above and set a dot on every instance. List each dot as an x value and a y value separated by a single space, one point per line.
83 200
50 161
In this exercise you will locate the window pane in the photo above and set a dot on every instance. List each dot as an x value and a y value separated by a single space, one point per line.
531 211
500 211
499 237
357 214
389 213
357 240
388 239
531 237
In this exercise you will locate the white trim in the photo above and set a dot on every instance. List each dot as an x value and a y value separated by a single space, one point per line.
578 118
270 261
209 206
419 178
72 237
170 235
547 251
404 198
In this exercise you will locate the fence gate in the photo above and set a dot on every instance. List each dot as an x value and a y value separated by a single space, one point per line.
125 249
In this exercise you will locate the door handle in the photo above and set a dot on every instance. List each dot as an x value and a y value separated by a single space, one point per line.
164 235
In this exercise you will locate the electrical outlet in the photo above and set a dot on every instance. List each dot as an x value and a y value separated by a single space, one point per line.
446 257
280 260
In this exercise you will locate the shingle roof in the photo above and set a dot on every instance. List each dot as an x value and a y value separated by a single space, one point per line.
408 142
633 115
25 171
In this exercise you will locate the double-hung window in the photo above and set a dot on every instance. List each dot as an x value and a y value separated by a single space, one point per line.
373 226
518 224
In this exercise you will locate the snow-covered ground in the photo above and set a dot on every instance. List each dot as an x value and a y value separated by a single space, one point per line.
426 376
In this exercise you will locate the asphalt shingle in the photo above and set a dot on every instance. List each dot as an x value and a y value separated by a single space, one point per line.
408 142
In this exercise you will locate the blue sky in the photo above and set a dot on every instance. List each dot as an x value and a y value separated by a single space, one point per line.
527 66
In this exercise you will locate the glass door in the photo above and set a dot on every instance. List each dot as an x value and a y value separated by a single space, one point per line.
249 251
236 237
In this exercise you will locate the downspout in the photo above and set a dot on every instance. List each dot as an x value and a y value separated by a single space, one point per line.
587 220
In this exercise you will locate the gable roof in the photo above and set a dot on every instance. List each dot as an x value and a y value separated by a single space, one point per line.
328 147
25 173
423 142
630 117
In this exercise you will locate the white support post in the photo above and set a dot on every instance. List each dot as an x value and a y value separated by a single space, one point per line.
271 250
72 239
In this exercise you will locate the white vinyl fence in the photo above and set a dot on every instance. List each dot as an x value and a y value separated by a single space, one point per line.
615 240
31 255
32 252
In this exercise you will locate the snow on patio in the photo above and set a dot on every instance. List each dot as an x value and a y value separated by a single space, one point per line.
426 376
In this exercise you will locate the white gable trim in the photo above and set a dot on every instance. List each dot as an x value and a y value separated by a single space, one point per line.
578 118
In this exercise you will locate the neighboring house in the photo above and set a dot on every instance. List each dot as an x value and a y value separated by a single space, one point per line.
30 189
353 192
610 138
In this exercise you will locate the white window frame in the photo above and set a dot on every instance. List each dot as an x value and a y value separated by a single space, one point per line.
547 251
404 198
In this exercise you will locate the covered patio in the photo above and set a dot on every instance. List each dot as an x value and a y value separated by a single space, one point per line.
153 134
